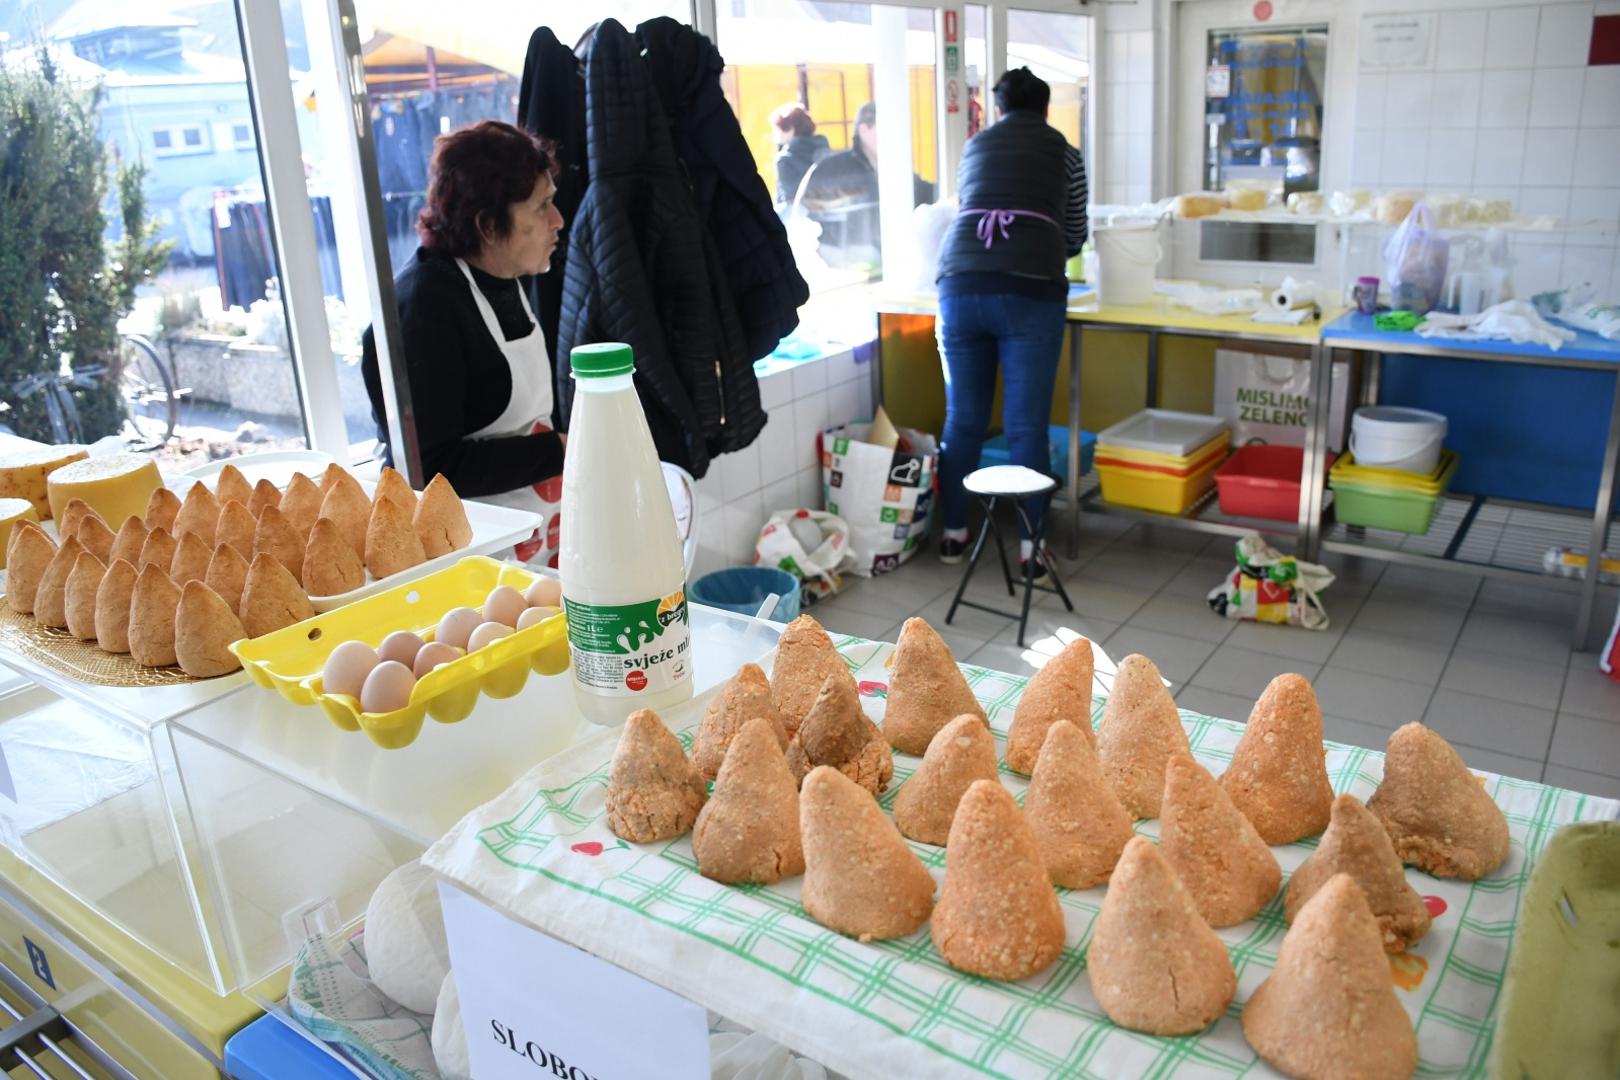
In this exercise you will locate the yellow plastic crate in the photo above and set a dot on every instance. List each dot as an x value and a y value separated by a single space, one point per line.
1167 461
1346 471
1161 492
290 660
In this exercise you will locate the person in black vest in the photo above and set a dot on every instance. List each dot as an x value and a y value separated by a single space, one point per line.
479 372
1002 292
797 148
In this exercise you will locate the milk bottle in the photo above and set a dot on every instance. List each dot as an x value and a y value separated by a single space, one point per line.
623 578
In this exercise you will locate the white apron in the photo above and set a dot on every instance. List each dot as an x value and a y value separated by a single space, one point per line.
527 411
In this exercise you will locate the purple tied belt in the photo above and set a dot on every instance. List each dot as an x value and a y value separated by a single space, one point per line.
992 220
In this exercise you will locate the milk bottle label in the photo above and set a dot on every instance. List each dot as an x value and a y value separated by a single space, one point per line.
630 650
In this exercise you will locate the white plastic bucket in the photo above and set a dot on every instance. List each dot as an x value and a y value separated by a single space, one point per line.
1392 437
1126 255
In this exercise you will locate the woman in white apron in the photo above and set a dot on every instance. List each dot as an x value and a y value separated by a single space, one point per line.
480 375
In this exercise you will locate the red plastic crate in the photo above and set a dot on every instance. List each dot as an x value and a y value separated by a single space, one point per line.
1262 482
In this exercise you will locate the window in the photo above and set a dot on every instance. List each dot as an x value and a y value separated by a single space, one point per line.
1263 108
1058 49
849 66
218 378
242 136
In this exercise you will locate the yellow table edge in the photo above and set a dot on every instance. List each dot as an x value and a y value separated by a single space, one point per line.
206 1016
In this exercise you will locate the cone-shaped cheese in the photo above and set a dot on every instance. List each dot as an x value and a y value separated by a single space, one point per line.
1061 690
301 504
805 658
264 494
50 600
204 627
74 514
1437 814
151 618
96 538
860 878
1155 964
199 513
79 597
746 697
1076 817
962 752
349 508
331 566
128 543
277 538
391 485
653 792
1356 844
29 552
237 527
158 550
113 597
1141 731
1329 1009
838 734
748 831
391 543
1214 850
1278 776
926 689
161 510
191 558
227 576
230 485
998 915
271 597
440 520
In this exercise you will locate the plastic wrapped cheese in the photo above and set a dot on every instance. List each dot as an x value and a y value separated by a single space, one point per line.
406 948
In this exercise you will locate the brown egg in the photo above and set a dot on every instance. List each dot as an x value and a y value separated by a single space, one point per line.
486 633
401 647
387 688
434 654
547 592
503 605
535 616
348 667
457 626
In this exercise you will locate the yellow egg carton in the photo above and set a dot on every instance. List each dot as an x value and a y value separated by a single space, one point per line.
291 660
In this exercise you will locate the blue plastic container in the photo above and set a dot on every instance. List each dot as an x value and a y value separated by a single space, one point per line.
997 452
743 588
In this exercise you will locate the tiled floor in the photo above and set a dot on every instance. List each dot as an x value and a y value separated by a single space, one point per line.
1487 663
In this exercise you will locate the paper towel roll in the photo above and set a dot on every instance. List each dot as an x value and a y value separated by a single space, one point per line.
1292 295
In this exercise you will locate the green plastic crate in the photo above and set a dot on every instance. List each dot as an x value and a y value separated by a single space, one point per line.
1375 507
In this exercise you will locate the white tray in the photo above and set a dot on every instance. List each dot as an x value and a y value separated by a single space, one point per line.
1163 431
494 527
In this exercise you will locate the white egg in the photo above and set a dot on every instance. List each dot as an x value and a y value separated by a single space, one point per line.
488 632
457 626
432 655
387 688
503 605
535 615
401 647
346 669
547 592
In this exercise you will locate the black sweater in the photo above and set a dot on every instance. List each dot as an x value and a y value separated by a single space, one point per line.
459 379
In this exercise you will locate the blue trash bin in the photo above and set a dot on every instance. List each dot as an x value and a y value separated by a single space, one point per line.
743 588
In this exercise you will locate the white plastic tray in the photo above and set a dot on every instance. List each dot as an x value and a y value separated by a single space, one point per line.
494 527
1163 431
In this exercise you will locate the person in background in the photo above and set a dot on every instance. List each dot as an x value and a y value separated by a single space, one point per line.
1003 293
841 193
797 148
479 372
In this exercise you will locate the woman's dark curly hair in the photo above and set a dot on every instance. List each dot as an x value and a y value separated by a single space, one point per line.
476 175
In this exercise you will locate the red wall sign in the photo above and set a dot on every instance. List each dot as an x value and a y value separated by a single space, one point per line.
950 26
1262 10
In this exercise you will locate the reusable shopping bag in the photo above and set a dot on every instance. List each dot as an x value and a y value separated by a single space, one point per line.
1268 398
1268 586
885 495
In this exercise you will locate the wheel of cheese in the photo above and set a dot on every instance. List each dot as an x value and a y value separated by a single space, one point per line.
23 473
11 512
407 952
116 486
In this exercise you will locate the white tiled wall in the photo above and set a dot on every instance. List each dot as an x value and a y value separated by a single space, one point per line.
780 470
1125 148
1507 107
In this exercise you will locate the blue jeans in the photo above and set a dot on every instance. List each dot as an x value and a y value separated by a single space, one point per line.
978 331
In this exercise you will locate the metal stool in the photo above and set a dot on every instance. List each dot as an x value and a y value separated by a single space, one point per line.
1017 483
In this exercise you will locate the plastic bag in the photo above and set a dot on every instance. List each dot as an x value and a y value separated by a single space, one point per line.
884 493
1268 586
809 544
1415 262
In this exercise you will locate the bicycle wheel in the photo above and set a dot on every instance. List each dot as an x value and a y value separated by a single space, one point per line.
147 389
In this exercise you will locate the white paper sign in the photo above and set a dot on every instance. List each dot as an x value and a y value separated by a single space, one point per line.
534 1007
1396 41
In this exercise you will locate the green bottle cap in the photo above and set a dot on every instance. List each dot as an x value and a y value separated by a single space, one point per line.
602 360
